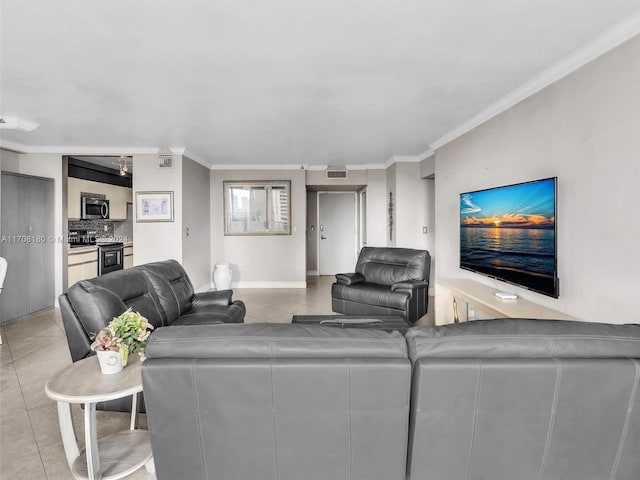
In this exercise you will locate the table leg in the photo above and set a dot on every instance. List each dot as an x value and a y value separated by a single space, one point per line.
91 442
68 432
150 466
134 411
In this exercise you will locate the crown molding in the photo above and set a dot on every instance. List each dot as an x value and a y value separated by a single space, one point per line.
256 167
25 149
428 153
401 159
193 156
353 166
177 150
602 44
14 147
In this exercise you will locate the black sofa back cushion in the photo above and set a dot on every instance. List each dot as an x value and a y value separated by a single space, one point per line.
178 281
386 266
98 300
167 298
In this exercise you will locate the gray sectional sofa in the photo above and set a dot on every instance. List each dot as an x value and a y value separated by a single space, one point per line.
496 399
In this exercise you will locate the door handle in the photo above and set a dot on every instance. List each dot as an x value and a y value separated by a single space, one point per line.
322 237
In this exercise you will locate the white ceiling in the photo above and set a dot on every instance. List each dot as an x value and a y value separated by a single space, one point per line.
295 82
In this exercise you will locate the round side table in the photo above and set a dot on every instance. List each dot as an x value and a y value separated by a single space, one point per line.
116 455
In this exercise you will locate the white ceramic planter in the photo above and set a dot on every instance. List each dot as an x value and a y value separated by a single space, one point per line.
110 362
222 276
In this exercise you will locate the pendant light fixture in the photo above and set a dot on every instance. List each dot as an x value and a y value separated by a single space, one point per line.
122 164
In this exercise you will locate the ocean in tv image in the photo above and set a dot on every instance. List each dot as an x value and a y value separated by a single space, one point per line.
509 233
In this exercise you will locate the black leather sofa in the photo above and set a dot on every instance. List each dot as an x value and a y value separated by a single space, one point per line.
496 399
160 291
386 281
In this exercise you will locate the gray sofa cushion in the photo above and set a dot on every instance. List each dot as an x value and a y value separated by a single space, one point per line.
519 398
525 338
286 402
273 341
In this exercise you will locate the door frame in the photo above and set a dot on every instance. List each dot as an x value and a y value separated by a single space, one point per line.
356 225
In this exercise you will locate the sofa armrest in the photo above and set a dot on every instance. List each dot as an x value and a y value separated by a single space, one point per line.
205 299
349 278
409 285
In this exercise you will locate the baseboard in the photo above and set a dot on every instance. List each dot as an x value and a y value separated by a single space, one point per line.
246 284
313 273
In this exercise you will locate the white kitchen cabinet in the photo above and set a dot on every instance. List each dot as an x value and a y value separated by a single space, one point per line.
83 264
128 256
118 197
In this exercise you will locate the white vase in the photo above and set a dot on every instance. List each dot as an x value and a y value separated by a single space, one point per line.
110 362
222 276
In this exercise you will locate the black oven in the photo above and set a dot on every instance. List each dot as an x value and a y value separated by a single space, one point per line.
110 257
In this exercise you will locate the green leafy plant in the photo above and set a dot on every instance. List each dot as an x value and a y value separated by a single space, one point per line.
126 333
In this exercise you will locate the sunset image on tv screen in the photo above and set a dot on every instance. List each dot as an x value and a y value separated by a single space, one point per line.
509 233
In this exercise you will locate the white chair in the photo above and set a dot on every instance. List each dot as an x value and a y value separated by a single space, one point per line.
3 273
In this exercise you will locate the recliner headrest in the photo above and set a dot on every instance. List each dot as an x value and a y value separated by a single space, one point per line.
386 266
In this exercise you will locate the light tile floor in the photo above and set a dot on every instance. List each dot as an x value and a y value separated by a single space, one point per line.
35 348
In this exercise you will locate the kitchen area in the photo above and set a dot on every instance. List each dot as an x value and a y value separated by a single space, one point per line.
99 215
63 218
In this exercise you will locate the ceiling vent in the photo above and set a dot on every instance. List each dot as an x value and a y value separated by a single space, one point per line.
336 173
165 161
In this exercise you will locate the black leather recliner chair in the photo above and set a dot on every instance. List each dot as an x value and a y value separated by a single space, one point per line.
387 281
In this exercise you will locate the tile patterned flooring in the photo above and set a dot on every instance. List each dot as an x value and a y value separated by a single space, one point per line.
35 348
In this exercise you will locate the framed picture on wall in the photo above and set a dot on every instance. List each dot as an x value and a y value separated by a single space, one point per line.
257 208
154 207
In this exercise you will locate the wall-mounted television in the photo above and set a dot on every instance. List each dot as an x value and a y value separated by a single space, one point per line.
509 233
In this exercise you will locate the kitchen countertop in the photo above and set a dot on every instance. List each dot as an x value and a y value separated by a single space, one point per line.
91 248
88 248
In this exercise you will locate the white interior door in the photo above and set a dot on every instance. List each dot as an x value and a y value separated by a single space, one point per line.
337 228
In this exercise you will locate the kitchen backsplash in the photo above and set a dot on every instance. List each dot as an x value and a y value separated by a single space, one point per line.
105 230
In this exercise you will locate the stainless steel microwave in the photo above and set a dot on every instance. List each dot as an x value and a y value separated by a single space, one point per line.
94 208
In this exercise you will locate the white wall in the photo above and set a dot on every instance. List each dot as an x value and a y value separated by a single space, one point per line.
377 232
312 233
267 261
411 207
196 224
159 240
431 229
48 166
428 167
390 194
585 130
